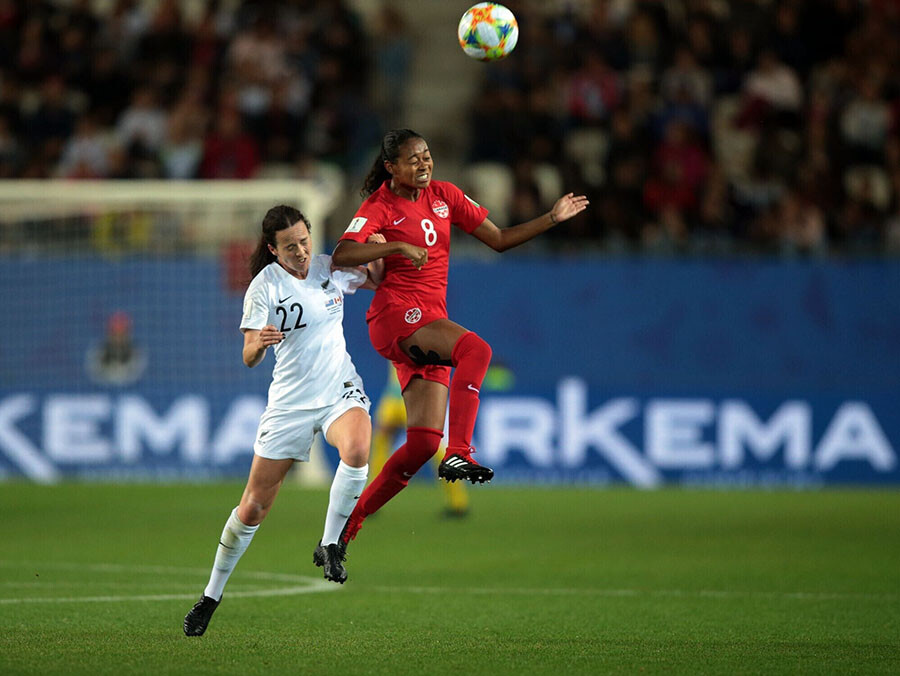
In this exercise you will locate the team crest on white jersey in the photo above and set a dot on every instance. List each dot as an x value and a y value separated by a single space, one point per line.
413 315
440 208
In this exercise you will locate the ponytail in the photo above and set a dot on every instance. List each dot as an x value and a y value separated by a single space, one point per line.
390 151
277 218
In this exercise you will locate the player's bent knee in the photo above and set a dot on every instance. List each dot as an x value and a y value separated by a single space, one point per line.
356 455
472 347
252 511
481 349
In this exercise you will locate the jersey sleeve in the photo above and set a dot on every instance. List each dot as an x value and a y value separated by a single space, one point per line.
256 307
467 213
348 280
369 219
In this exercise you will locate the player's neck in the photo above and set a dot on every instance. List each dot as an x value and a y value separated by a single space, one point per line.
293 273
404 191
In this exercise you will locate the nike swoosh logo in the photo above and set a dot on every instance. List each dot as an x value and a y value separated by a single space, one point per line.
285 298
474 389
356 497
399 220
407 475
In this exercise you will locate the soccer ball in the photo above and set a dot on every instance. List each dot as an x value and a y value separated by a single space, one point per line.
488 31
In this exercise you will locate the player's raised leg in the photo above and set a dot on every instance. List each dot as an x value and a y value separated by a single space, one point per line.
426 402
351 434
447 341
265 479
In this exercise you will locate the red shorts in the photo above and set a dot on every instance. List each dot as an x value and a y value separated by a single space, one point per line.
395 323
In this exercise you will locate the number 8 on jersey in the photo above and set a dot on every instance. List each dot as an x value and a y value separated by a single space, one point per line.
430 233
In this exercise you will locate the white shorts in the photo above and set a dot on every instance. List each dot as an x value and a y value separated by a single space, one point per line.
288 433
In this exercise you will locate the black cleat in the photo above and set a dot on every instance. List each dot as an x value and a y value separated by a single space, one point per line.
457 466
197 619
330 558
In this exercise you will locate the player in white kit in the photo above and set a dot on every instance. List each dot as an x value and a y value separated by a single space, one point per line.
295 305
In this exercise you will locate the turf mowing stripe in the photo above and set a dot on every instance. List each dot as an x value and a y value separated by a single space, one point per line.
701 593
314 585
121 568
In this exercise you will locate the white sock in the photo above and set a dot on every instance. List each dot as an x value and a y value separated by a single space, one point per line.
234 541
346 488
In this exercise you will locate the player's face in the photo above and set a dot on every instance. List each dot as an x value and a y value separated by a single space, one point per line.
292 248
413 167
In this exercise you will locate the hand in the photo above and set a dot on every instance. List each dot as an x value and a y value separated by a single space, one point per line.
269 335
416 254
376 238
568 206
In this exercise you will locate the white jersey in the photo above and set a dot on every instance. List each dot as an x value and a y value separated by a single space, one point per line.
311 363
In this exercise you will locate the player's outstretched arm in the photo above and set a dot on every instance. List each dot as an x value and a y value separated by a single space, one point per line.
349 253
257 341
375 269
565 208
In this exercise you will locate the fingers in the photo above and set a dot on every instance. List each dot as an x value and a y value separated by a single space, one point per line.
376 238
269 335
568 206
418 257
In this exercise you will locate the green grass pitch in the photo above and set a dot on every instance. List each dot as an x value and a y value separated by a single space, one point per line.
97 578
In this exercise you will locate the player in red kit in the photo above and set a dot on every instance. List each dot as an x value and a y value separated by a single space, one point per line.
407 319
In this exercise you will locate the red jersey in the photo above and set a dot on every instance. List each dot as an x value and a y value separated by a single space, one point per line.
426 223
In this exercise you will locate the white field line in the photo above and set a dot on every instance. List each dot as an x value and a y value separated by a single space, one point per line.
311 585
308 585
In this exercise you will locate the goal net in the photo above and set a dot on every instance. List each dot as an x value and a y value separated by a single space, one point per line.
121 303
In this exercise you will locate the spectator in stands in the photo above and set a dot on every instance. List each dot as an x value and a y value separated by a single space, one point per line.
35 59
117 360
54 118
229 151
393 61
182 149
258 61
142 126
163 50
687 80
803 224
865 123
772 92
680 166
108 86
10 151
594 90
86 152
10 101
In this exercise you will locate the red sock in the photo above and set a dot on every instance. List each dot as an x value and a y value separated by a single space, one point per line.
471 356
421 444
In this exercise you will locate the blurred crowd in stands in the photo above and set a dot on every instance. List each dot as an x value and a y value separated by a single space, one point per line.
702 125
140 92
693 125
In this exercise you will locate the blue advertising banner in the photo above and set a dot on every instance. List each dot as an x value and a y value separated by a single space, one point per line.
638 371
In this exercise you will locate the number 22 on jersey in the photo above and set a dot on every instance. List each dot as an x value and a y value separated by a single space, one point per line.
283 313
